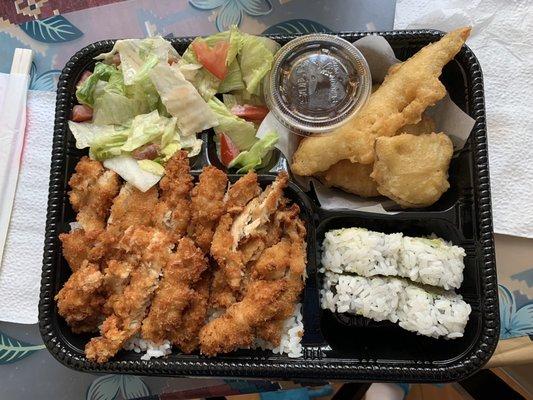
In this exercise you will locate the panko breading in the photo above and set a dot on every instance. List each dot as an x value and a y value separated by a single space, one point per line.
77 246
175 292
241 192
130 208
249 223
80 301
413 170
351 177
93 189
399 101
236 327
152 249
271 293
117 275
207 206
138 276
173 211
186 338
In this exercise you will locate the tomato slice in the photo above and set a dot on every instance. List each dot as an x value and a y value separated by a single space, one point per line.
250 112
212 58
228 150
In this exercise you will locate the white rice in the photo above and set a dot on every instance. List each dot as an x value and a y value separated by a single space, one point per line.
290 343
150 349
366 253
74 226
415 309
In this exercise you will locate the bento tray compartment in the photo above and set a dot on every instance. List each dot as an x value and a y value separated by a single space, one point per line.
465 207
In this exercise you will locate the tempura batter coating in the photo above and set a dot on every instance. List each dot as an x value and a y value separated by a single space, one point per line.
413 170
355 178
399 101
351 177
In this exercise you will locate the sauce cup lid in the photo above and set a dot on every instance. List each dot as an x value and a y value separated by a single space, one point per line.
316 83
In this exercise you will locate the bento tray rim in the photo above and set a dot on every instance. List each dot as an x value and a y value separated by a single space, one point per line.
320 368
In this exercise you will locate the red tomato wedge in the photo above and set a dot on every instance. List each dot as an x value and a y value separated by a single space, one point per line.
228 150
82 113
212 58
250 112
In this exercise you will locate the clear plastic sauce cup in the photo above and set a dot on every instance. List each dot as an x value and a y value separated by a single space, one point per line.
317 83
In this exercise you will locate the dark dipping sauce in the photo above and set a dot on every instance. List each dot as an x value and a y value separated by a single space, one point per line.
317 83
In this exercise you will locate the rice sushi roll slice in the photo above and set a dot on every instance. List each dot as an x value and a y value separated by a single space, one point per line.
360 251
367 253
418 309
432 262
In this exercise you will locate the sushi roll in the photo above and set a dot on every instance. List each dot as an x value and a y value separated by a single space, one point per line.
426 311
432 262
362 252
429 261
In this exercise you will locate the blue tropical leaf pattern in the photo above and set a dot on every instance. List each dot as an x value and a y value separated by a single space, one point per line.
12 350
514 322
256 8
206 4
45 81
56 29
297 26
232 11
111 387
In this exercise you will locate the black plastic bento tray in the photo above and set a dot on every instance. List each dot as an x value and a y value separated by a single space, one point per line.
335 346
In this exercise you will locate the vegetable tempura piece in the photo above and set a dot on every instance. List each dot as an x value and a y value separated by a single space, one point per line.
351 177
413 170
399 101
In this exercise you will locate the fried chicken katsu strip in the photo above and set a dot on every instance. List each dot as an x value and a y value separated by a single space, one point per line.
80 301
236 328
130 208
286 259
186 337
77 246
173 211
117 275
241 192
151 248
93 189
399 101
175 292
207 206
231 230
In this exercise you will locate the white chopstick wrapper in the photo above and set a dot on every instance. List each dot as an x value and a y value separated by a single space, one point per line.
13 93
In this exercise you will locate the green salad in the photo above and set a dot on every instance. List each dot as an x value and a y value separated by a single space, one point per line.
143 102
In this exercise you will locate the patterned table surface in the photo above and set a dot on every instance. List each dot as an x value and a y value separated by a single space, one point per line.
56 29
